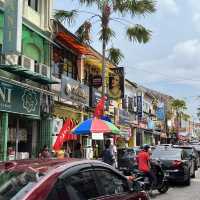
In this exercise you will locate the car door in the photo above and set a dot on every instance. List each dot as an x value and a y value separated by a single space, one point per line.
113 186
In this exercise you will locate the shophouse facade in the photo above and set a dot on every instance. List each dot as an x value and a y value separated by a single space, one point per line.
25 103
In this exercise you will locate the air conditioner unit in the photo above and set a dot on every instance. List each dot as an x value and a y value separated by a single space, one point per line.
45 70
11 59
28 63
134 109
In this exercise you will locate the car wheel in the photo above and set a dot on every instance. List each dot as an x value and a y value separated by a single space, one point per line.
188 181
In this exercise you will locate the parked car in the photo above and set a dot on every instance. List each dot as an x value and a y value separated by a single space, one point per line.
192 155
197 148
173 161
64 179
126 158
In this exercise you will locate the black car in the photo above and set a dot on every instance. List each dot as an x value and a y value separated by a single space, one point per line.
175 164
192 155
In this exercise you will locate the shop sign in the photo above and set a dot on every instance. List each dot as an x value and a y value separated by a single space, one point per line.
16 99
97 136
74 91
125 117
126 133
12 26
139 108
160 112
96 81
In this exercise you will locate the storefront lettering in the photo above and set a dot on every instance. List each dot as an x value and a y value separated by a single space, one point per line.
5 94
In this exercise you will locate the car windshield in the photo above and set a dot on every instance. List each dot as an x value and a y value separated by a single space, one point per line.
14 182
166 154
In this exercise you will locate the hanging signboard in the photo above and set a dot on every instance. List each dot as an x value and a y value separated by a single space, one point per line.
97 136
116 83
12 26
19 100
139 107
74 91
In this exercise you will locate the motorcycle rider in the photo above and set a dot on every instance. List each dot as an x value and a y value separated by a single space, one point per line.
144 165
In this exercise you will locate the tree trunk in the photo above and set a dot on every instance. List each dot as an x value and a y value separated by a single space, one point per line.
103 68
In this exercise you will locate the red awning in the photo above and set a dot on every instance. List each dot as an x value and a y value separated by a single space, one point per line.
71 42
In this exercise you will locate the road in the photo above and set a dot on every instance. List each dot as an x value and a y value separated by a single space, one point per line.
182 192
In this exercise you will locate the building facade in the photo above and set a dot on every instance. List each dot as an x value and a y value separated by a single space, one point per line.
25 41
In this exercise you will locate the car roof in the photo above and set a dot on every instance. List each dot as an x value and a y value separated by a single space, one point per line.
183 146
42 165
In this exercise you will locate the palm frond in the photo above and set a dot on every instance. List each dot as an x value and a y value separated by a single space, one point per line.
134 7
138 34
115 55
106 34
83 32
64 15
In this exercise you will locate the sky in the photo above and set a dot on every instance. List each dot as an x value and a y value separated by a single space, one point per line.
170 62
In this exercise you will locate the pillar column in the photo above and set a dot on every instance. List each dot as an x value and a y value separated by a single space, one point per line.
45 134
4 137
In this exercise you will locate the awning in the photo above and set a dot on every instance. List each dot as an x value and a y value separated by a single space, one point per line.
21 71
71 42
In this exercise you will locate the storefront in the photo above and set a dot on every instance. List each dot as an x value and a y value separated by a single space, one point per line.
19 121
71 103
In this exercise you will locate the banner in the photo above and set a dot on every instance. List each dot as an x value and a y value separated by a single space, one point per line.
160 112
116 83
12 30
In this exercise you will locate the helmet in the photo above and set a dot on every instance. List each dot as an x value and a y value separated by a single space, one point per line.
146 147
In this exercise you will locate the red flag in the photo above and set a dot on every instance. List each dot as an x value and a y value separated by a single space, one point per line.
65 130
99 110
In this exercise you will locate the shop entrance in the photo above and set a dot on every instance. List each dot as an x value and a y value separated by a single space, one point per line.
19 137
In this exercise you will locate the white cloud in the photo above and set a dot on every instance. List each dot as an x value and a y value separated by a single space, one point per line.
181 66
167 6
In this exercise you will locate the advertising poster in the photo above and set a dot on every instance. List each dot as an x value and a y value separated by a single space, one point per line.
116 83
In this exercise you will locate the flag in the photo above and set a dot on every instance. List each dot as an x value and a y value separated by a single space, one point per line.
99 110
64 134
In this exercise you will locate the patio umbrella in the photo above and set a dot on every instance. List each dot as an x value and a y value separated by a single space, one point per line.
95 125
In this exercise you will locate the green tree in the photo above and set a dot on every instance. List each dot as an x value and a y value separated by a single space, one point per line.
115 11
179 106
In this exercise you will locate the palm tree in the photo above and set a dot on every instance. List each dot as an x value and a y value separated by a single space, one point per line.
115 11
179 106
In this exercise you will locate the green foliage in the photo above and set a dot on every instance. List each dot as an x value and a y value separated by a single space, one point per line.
115 56
138 34
178 105
83 32
66 16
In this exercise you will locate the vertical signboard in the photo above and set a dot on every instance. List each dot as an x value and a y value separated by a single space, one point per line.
116 83
139 107
12 27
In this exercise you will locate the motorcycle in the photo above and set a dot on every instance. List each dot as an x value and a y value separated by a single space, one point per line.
162 184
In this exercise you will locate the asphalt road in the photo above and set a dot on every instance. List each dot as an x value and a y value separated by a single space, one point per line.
180 192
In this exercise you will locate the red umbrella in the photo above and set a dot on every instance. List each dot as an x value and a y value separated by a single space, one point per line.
65 134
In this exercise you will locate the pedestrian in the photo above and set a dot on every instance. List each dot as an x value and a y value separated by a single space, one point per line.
45 153
108 156
67 151
113 149
78 151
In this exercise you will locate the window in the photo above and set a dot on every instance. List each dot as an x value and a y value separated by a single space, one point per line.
58 192
81 186
130 104
33 4
110 182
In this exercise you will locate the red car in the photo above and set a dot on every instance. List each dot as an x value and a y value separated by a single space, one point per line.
66 179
